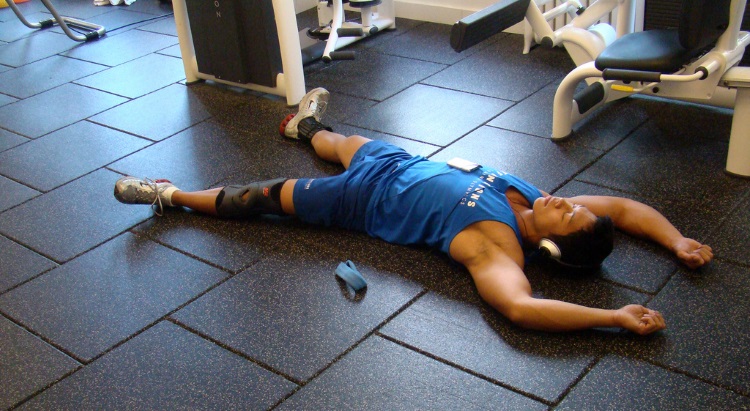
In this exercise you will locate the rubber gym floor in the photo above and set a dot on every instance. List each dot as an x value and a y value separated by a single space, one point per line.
108 306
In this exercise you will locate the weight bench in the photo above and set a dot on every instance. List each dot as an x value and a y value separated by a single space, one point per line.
584 36
93 31
249 44
695 62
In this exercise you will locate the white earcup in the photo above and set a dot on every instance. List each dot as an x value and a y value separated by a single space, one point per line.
551 247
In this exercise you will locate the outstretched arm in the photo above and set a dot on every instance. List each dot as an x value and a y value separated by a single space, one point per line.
504 286
501 282
643 221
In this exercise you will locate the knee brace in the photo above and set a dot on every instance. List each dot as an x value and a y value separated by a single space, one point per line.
263 197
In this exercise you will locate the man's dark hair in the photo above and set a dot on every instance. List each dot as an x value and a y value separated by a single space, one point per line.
588 247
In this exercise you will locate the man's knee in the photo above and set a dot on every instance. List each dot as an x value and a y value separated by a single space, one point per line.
262 197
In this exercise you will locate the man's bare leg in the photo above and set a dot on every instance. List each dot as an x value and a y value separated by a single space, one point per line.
203 201
337 148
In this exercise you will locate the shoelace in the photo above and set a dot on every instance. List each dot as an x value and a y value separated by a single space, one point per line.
317 108
154 185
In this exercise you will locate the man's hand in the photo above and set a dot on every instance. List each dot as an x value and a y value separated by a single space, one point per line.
692 253
639 319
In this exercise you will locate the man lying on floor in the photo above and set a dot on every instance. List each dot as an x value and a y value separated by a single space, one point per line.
485 219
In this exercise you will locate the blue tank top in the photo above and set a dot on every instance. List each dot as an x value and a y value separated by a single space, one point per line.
427 202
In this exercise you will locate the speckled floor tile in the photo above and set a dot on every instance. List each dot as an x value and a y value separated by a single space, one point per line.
292 314
659 160
697 341
634 263
158 115
19 264
14 193
78 9
173 51
601 130
147 372
730 242
197 158
403 26
436 116
43 75
122 48
379 374
9 140
32 117
543 163
145 74
116 19
372 75
411 146
231 244
634 385
79 306
157 8
701 121
467 333
28 8
428 42
12 29
5 100
28 364
34 47
683 172
66 154
343 108
501 70
59 224
164 25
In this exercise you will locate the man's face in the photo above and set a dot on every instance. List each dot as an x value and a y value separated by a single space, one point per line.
556 215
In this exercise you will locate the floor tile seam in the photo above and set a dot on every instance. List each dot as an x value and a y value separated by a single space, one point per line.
380 51
131 133
62 262
472 93
634 288
229 271
103 67
152 142
464 369
44 339
84 362
729 260
39 252
591 163
237 352
585 372
350 124
45 388
524 133
17 181
374 331
62 53
30 279
141 23
742 201
677 370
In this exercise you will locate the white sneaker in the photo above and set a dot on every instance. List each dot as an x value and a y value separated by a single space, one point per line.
313 104
132 190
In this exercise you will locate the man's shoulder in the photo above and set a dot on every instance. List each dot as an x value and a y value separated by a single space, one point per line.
486 237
